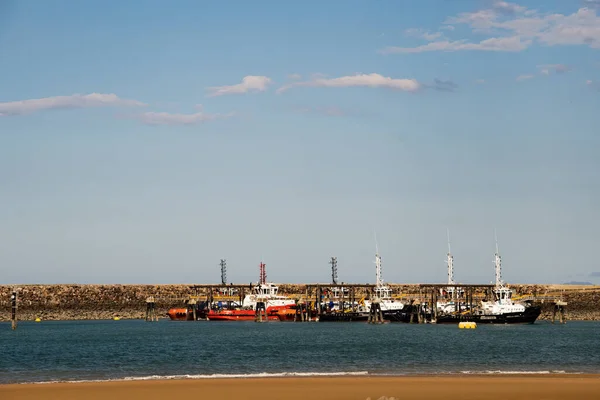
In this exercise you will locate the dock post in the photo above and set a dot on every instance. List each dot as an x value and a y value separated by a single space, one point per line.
559 307
193 303
375 314
307 316
258 316
319 300
13 314
151 309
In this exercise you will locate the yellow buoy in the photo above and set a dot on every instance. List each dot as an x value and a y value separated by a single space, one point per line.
116 318
467 325
38 320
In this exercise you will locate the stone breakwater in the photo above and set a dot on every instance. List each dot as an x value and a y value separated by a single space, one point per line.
86 302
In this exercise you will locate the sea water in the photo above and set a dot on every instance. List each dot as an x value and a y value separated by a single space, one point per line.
133 349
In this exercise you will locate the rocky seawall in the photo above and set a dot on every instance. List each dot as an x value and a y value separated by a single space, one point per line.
89 302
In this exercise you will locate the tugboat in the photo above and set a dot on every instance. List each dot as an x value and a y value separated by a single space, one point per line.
264 296
502 310
391 309
340 307
451 294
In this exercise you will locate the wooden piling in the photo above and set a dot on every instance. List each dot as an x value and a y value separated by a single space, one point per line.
151 309
260 309
375 313
13 314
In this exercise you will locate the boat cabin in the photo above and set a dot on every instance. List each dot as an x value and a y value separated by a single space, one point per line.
337 292
383 292
503 295
265 289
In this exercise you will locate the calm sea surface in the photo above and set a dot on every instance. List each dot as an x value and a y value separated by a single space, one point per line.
103 350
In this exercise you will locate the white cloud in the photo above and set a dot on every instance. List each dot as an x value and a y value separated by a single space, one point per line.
164 118
250 83
63 102
295 77
509 44
547 69
593 85
524 77
516 28
508 8
480 81
423 34
359 80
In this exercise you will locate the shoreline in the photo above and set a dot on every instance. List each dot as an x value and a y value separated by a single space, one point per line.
463 386
311 375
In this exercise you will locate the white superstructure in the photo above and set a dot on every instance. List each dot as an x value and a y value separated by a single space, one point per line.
265 292
382 292
503 303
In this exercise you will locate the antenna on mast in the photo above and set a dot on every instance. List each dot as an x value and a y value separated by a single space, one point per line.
450 261
498 263
223 272
334 275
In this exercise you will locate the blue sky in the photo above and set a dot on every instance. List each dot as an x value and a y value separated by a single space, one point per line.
142 142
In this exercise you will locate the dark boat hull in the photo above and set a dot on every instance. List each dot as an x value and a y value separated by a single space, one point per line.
344 317
529 316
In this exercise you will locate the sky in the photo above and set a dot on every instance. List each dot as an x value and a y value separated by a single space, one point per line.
141 142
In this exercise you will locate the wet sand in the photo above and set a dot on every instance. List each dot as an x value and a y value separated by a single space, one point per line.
513 387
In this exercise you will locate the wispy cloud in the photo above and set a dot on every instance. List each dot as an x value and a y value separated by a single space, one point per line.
250 83
508 8
443 86
547 69
329 111
164 118
64 102
480 81
524 77
591 3
515 28
359 80
593 85
423 34
295 77
509 44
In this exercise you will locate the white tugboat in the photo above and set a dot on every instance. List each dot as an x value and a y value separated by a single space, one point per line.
502 310
390 307
451 294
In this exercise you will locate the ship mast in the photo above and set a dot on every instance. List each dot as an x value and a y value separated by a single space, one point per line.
263 273
498 264
378 277
450 262
334 275
223 272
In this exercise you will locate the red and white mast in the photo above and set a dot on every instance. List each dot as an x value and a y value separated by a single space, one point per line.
263 273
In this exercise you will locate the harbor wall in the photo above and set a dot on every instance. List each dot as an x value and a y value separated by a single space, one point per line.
89 302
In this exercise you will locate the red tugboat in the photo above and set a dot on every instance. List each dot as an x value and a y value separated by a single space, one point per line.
264 296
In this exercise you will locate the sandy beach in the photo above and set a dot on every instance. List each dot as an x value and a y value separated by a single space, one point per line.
528 387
